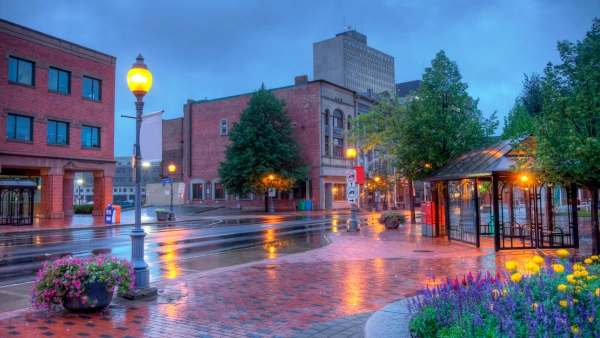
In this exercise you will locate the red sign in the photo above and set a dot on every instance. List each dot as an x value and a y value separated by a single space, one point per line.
360 174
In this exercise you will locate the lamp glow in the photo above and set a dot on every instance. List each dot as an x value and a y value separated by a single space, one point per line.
351 153
172 168
139 78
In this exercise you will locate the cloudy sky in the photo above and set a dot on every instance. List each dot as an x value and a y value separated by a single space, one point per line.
197 49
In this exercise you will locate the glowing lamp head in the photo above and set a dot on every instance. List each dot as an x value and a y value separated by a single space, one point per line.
80 181
145 164
377 179
139 79
351 153
524 178
172 168
271 177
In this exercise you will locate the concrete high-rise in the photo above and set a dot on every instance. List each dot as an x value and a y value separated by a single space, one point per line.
347 61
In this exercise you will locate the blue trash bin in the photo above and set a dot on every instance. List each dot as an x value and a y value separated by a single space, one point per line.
108 214
308 205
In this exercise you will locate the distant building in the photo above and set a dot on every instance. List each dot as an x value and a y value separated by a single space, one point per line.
347 61
403 89
57 111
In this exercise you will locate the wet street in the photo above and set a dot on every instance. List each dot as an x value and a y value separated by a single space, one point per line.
171 249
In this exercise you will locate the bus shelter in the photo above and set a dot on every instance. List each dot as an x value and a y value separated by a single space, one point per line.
476 197
16 202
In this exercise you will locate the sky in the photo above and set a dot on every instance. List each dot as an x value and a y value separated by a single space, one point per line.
200 49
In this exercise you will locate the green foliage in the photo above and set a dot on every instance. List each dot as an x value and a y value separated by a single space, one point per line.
261 145
426 324
161 211
83 208
531 96
518 123
441 122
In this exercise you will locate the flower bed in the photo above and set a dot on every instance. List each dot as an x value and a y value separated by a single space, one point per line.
538 300
68 276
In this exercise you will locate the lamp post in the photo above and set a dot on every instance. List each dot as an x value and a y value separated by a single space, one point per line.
271 207
377 193
80 182
139 80
353 226
172 168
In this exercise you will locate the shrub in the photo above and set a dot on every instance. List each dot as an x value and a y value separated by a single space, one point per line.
539 300
83 208
161 211
393 216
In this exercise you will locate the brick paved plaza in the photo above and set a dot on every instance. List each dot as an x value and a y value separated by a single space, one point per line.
291 295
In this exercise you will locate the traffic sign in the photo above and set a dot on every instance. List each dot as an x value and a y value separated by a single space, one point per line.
167 181
272 192
181 189
351 194
351 185
350 176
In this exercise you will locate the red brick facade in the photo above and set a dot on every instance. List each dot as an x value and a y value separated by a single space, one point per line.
307 103
56 163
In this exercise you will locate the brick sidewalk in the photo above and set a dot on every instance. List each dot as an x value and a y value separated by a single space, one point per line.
280 297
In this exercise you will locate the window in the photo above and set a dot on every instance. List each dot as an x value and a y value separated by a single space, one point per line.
19 128
90 137
219 191
247 196
91 88
339 192
338 147
58 132
115 190
223 127
59 80
20 71
130 189
197 191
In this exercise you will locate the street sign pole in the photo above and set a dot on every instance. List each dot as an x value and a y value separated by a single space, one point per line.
351 195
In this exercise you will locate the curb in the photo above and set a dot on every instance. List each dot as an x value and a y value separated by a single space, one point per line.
391 321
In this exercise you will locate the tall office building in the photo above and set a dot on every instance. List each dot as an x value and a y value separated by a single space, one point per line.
347 61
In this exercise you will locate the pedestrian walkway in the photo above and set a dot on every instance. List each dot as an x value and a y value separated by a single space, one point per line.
310 294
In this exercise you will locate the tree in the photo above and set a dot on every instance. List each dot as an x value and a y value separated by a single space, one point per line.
437 124
262 145
567 145
531 96
518 123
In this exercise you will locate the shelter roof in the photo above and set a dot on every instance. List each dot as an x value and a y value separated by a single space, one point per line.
17 184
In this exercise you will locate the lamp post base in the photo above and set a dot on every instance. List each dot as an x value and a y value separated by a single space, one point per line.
353 225
171 216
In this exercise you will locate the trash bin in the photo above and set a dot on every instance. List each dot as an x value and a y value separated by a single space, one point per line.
108 214
308 205
117 214
301 205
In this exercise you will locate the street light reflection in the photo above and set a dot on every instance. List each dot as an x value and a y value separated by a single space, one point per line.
171 264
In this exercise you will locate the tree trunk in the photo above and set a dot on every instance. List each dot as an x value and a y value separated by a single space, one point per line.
595 222
411 199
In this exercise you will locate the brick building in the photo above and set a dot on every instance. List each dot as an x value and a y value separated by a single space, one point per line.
320 112
57 117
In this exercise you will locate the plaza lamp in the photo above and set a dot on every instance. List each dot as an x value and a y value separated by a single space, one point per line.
80 182
139 80
172 169
353 226
377 192
271 207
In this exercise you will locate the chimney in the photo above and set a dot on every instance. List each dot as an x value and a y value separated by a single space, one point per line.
301 79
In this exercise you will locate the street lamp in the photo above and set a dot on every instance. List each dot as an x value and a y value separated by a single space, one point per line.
377 193
172 168
271 207
80 182
353 226
139 80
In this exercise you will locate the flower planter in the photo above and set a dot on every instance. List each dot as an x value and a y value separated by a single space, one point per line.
392 224
98 298
162 216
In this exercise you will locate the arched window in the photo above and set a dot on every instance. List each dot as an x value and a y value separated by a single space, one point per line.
338 133
326 132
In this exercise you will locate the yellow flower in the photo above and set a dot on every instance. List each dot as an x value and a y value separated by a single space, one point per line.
504 292
558 268
584 273
496 293
575 300
515 277
587 261
591 319
563 303
562 253
594 258
571 279
576 267
512 265
598 292
532 267
537 259
577 273
562 287
578 289
575 329
535 306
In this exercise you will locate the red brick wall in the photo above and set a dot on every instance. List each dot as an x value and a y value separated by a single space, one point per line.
208 145
41 102
172 147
